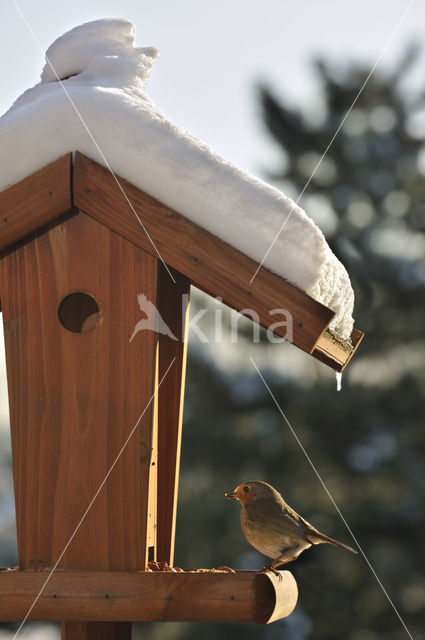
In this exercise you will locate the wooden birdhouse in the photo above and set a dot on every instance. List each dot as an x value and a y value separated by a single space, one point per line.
96 411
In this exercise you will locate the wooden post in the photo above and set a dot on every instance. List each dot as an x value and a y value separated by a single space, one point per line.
173 305
77 388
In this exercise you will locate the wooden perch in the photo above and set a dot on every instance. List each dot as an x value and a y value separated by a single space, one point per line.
243 596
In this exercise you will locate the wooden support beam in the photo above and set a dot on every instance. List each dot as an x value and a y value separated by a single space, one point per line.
35 201
76 395
210 263
173 306
243 596
335 352
77 388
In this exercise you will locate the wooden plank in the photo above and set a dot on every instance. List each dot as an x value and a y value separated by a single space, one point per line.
173 306
35 201
334 351
75 397
96 631
243 596
152 524
276 596
209 263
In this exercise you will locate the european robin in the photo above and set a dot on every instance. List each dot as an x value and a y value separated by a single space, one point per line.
272 527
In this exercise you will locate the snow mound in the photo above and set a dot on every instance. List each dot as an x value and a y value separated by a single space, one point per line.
104 75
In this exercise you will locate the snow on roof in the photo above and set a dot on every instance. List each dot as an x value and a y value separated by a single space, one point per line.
104 75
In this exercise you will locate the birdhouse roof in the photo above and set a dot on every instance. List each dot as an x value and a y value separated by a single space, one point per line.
92 98
79 183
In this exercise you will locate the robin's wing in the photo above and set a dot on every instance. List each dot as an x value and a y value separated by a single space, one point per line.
278 517
314 536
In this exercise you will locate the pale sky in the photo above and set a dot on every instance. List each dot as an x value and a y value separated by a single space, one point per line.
211 56
212 53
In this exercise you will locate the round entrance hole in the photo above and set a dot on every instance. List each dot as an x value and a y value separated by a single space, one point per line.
78 312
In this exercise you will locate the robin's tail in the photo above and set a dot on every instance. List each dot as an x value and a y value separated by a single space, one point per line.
315 537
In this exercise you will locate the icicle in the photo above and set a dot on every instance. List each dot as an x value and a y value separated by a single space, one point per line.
338 375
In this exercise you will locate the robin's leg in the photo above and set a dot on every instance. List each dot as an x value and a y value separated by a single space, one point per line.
281 562
272 567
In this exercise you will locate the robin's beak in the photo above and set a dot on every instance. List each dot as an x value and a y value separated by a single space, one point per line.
230 495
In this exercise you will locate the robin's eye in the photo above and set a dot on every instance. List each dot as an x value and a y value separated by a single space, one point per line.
246 488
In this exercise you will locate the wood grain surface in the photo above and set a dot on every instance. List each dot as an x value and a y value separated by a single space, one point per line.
210 263
35 201
173 305
243 596
75 397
